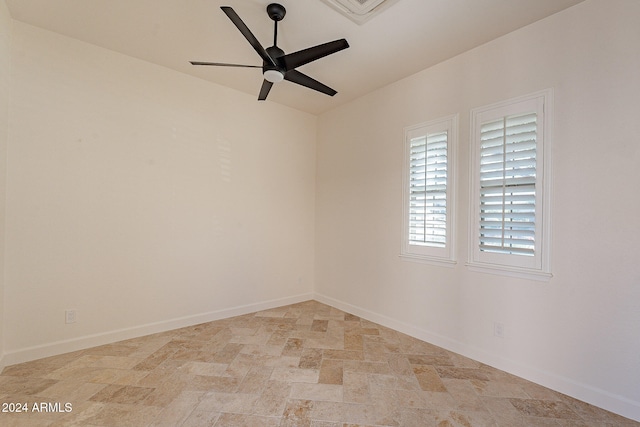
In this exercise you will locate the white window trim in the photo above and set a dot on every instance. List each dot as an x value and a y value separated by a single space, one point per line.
436 256
540 269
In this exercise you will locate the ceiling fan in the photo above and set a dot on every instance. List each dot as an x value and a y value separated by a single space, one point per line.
277 66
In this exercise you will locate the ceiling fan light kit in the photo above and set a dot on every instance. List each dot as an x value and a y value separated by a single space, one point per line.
273 76
276 65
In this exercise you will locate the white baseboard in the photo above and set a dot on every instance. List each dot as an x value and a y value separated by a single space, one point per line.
584 392
81 343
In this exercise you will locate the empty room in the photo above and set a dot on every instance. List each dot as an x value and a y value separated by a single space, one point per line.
320 213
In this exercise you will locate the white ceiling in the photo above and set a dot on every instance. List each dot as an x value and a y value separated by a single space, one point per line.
407 37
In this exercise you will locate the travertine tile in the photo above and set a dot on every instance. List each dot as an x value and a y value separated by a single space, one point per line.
504 412
544 408
342 354
437 400
255 380
62 359
243 420
410 399
115 362
464 418
351 317
593 414
80 414
122 394
292 347
71 391
311 358
227 402
203 368
178 410
201 419
418 417
115 415
499 389
345 412
203 356
437 359
165 393
228 353
115 376
24 386
461 373
353 341
169 371
331 372
367 367
309 391
319 325
399 365
303 365
394 382
295 375
257 339
262 350
272 400
280 362
356 387
156 358
464 394
209 383
296 414
428 378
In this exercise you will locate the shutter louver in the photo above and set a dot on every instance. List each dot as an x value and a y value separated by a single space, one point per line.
428 190
508 185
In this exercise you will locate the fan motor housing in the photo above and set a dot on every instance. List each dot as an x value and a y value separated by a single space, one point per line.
274 52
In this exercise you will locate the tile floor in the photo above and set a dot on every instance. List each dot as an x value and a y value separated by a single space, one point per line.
306 364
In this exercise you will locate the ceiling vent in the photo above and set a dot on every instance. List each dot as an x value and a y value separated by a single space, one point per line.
359 11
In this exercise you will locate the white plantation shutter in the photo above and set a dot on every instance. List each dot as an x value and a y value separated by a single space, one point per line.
508 185
510 229
428 190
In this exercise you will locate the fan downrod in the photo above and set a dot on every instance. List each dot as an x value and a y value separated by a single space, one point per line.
276 11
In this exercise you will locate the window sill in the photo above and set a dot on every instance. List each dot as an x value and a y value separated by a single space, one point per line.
502 270
423 259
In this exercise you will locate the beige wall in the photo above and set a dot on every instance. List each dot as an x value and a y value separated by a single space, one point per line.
577 333
5 38
145 199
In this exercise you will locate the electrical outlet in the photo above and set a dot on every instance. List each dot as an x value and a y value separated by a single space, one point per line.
498 329
70 316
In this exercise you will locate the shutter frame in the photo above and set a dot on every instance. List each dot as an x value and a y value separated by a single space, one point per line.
428 189
529 262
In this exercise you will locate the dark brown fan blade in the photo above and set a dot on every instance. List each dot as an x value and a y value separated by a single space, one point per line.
253 41
296 59
223 64
264 90
295 76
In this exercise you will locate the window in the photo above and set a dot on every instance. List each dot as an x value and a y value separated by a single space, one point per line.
510 153
428 191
